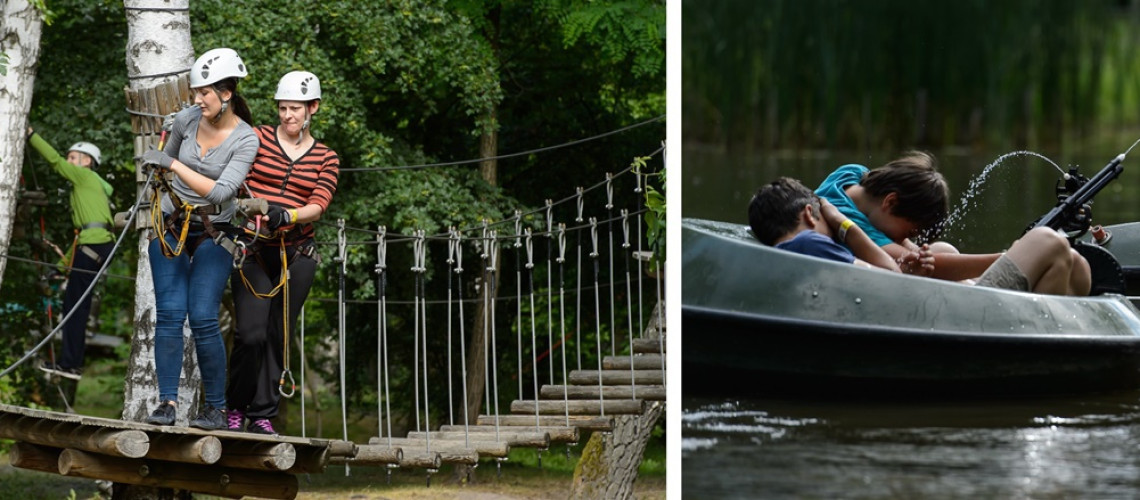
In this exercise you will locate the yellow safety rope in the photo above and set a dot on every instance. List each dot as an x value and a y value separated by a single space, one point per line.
71 253
285 328
281 282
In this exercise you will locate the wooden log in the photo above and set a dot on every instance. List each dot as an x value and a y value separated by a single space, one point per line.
184 448
150 105
310 460
513 437
209 479
616 377
558 434
114 442
34 457
132 103
640 362
420 459
646 392
258 455
590 423
648 345
379 454
342 448
455 451
579 407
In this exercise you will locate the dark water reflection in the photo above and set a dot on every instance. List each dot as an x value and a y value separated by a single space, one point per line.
1059 448
1076 447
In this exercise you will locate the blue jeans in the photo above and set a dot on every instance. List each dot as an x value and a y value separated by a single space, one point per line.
190 286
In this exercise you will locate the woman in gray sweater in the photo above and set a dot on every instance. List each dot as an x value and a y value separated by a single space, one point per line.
209 151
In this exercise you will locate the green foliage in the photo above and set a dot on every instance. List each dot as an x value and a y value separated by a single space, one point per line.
3 64
896 74
47 13
624 33
654 215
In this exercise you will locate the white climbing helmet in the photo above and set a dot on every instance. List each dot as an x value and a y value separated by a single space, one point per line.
216 65
88 149
298 86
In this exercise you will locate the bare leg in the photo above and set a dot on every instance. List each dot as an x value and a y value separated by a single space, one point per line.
1049 264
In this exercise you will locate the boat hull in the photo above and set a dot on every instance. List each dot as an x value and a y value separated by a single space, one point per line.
760 320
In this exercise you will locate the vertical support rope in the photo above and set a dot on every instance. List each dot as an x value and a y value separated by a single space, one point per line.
421 263
562 317
610 230
341 258
628 298
486 255
416 331
493 351
578 309
549 287
640 301
303 367
462 336
518 297
660 308
533 327
381 327
597 307
450 378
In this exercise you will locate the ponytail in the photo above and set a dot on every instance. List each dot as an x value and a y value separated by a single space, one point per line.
241 109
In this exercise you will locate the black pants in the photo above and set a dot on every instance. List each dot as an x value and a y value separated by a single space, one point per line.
256 361
75 330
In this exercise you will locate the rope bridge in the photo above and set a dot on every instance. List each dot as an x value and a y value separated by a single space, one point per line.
559 399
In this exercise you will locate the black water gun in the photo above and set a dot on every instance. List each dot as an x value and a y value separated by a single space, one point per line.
1072 212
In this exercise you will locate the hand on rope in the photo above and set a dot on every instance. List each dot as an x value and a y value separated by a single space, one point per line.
157 158
278 216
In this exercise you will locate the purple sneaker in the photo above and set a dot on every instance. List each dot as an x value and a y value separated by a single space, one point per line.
234 419
260 426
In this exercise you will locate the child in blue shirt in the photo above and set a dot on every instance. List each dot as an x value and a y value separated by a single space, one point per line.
787 215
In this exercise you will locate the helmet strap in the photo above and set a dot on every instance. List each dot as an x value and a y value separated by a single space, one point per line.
304 125
225 106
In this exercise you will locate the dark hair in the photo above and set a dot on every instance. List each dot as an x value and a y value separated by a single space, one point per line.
923 195
241 109
775 208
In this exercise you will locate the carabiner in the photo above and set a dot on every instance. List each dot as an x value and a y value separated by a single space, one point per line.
292 384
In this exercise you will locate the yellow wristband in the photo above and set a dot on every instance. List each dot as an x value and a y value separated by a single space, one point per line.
843 227
293 219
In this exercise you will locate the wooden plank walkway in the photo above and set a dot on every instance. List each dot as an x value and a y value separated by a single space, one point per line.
236 464
223 463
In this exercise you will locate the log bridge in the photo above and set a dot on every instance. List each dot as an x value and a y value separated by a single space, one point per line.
236 464
222 463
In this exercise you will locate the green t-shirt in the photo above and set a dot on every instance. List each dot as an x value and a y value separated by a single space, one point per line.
89 195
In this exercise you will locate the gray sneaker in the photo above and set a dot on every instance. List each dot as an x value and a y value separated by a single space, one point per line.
211 419
163 415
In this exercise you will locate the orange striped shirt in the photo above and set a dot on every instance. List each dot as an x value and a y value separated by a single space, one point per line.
311 179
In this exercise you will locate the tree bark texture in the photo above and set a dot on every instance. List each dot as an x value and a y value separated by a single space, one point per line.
20 30
609 462
158 49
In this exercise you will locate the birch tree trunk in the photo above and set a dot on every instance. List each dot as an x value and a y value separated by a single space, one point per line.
158 49
20 30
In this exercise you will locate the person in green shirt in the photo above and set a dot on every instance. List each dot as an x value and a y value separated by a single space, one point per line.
91 216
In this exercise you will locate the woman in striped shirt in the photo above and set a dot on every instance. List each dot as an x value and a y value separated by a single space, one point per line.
298 176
